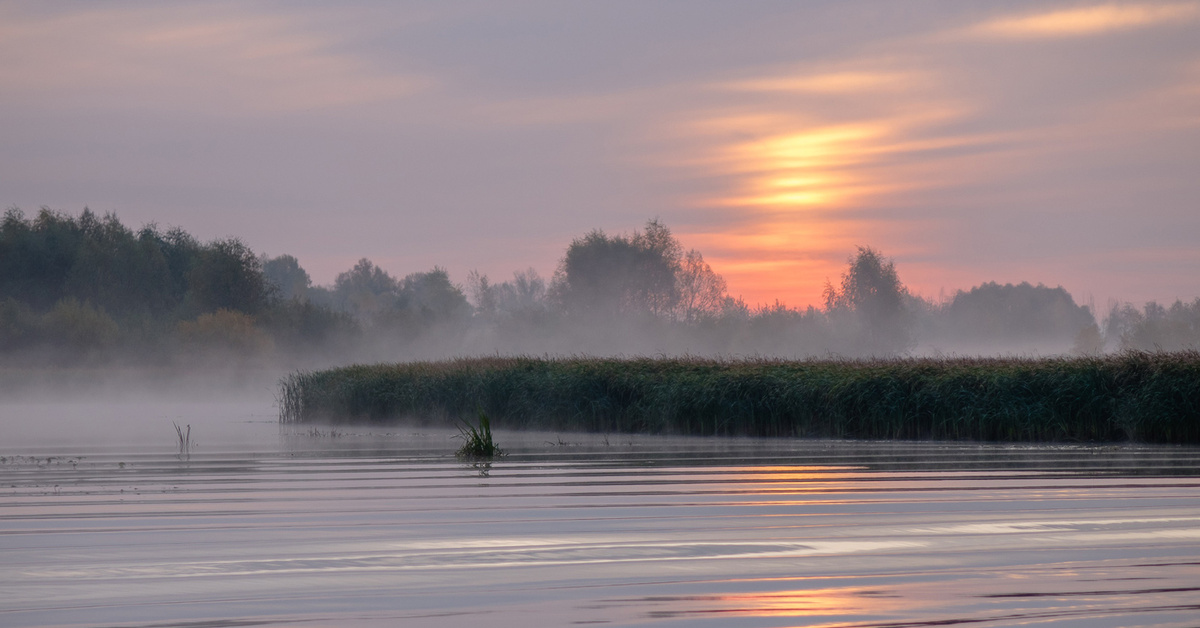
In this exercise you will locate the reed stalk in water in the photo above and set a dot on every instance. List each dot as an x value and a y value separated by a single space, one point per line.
477 441
185 439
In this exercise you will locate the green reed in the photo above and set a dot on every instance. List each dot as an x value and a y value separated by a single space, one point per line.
477 440
1146 397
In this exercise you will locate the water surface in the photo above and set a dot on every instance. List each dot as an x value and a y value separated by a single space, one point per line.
353 527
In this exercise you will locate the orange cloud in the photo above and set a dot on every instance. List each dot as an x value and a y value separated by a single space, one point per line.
792 188
908 147
816 166
828 83
1086 20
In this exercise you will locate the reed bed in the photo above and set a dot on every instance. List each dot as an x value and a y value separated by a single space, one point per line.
1144 397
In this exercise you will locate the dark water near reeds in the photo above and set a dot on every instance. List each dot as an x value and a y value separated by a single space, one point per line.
350 528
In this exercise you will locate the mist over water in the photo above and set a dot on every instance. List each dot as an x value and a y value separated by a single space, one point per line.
107 518
133 408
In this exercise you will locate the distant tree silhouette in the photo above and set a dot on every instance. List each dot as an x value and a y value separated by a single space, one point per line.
524 295
701 292
87 287
1013 314
602 276
1089 341
36 256
872 300
431 298
656 264
366 290
484 294
227 275
1155 328
18 325
286 277
123 273
72 328
147 275
224 331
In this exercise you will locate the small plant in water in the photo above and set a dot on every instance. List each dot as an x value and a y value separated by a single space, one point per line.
185 439
477 440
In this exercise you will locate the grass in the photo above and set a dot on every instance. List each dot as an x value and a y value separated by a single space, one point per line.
477 441
1146 397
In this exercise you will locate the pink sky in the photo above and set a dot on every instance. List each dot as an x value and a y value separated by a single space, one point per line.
1053 142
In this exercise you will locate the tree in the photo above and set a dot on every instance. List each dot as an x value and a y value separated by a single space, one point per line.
431 298
225 331
227 275
365 290
1088 341
602 276
19 325
37 256
181 252
123 273
523 297
78 328
1156 328
1013 314
701 292
286 277
95 260
872 297
484 293
657 263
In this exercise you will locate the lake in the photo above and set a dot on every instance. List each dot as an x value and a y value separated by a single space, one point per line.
104 522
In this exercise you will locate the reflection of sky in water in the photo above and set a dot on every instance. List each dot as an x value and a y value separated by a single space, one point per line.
356 528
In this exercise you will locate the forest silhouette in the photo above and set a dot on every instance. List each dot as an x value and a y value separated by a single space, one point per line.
87 289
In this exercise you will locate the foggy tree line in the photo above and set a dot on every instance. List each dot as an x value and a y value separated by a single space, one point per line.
88 288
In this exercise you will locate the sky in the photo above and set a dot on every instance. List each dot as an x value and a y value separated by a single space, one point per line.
1049 142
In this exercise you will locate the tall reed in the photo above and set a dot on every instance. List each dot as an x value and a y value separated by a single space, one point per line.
1133 396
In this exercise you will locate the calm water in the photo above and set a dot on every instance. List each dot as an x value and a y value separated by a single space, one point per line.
351 528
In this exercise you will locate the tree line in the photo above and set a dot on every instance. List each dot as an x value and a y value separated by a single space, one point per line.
88 288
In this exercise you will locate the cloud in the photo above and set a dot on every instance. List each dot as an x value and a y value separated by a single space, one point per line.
796 164
1093 20
799 193
924 144
828 83
212 58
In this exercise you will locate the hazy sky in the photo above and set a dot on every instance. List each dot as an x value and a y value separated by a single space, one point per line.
1054 142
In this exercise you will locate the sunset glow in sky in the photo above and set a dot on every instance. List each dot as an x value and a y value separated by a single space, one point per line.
1053 142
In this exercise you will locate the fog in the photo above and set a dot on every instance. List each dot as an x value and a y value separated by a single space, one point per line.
90 304
108 335
124 409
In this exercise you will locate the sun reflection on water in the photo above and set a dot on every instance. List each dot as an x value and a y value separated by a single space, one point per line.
813 604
